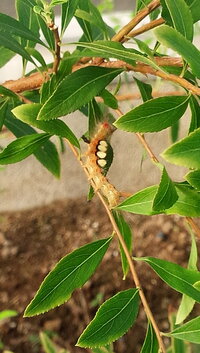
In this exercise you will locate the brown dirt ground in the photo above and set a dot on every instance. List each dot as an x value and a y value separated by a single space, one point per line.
31 242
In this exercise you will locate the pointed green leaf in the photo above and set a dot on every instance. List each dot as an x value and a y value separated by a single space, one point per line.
195 110
45 154
141 202
145 90
181 17
187 303
174 131
22 147
28 114
112 320
3 109
125 231
9 25
68 11
48 155
185 152
190 331
166 195
5 56
116 50
95 116
188 203
76 90
71 272
150 344
154 115
36 54
194 179
177 277
172 39
194 8
109 99
10 43
7 92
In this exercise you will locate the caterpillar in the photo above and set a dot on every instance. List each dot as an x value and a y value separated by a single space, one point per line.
96 163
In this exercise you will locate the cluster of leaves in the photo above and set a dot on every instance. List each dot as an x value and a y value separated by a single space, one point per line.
67 91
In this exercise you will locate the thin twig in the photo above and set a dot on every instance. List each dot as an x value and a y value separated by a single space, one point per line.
118 37
143 29
128 256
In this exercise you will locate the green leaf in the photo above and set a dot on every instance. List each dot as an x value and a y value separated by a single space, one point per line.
181 17
141 4
3 109
144 47
172 39
68 11
194 8
194 179
28 114
47 344
166 194
116 50
141 202
188 203
71 272
190 331
112 320
36 54
127 236
109 99
48 34
47 154
145 90
76 90
154 115
10 43
95 116
150 344
195 110
14 27
185 152
57 2
22 147
7 92
5 56
174 131
177 277
86 26
5 314
187 303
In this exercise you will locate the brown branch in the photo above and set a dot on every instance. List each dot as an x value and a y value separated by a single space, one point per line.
35 80
118 37
143 29
128 256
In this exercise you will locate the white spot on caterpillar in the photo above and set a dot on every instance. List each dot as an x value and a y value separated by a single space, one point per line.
101 154
101 163
102 148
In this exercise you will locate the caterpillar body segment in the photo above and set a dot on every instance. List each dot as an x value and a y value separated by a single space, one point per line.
98 160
